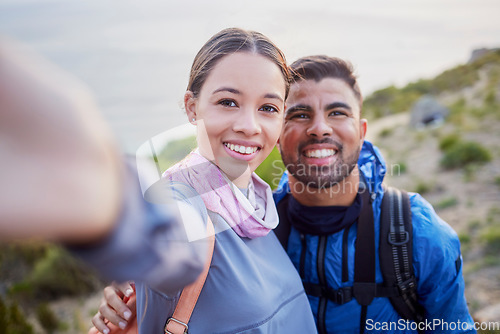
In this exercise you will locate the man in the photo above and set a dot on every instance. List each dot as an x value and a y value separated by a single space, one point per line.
329 167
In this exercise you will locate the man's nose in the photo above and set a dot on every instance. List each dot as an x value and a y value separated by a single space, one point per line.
319 127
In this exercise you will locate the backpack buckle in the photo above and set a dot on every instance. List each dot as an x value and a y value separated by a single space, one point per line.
391 238
177 321
339 296
409 284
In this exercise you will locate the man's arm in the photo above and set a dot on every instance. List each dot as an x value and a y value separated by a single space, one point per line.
438 267
59 167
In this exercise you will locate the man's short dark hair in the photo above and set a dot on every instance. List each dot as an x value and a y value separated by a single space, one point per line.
320 67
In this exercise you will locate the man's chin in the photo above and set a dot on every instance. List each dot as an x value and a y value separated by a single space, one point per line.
317 182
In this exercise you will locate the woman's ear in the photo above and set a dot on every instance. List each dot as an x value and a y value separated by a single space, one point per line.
190 106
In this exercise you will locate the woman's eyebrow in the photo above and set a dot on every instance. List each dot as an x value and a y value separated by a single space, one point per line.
273 96
227 89
235 91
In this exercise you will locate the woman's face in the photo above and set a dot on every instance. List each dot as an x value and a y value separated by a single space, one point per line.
239 113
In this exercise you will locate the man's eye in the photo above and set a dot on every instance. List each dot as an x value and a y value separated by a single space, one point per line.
227 103
299 116
269 109
338 113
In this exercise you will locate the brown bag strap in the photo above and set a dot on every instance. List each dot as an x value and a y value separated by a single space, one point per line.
177 324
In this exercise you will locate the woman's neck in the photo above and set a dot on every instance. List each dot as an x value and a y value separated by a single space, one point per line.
242 180
238 173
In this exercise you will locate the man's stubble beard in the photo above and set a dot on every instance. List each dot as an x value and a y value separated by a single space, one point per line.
321 177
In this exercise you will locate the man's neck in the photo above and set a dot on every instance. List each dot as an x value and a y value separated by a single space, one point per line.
341 194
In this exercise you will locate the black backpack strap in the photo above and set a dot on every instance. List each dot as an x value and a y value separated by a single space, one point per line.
284 227
396 253
365 288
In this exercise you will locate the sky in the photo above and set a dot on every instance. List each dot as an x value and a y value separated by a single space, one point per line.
136 55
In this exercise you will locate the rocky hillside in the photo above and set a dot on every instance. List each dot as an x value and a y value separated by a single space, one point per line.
454 164
453 161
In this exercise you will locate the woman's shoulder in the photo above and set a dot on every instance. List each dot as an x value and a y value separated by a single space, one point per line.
178 191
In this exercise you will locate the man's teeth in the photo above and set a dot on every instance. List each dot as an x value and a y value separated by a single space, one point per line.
241 149
324 153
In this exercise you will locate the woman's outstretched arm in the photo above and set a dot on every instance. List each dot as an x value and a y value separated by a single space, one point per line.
60 169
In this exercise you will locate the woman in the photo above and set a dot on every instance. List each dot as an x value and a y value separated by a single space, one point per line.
238 84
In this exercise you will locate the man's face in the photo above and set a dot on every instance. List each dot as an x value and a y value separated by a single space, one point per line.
323 133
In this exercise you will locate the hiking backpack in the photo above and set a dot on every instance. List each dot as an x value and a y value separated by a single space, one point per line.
395 256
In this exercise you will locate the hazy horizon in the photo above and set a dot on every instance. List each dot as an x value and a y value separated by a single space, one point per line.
136 56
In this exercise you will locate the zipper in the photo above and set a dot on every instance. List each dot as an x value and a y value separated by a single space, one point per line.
302 256
320 265
345 254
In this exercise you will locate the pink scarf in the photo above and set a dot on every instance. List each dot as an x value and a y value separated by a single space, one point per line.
253 216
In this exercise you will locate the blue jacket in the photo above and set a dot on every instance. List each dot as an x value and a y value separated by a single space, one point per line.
436 253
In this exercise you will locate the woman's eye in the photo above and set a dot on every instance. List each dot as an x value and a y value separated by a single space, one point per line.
227 103
269 109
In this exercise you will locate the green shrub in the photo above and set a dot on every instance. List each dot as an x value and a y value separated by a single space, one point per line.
464 153
447 203
474 224
497 180
271 169
446 142
470 172
491 237
493 217
402 167
13 320
3 316
47 318
490 98
386 132
175 151
464 238
391 100
458 111
423 187
16 260
58 274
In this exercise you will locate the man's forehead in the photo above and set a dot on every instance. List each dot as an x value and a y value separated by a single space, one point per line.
310 91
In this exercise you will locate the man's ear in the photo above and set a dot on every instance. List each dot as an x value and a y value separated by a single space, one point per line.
190 106
363 126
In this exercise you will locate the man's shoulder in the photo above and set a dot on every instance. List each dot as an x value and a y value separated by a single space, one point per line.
428 227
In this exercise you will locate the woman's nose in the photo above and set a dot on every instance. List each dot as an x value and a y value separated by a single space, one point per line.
247 122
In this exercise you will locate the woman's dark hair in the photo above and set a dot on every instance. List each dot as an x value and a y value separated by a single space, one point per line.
229 41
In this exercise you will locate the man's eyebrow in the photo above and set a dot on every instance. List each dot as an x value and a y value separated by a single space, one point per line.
298 108
336 105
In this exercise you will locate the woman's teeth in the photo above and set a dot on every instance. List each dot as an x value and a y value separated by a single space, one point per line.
324 153
241 149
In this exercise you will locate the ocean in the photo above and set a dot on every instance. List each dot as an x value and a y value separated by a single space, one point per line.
135 56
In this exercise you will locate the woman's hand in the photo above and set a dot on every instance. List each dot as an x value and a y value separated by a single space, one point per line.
116 311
